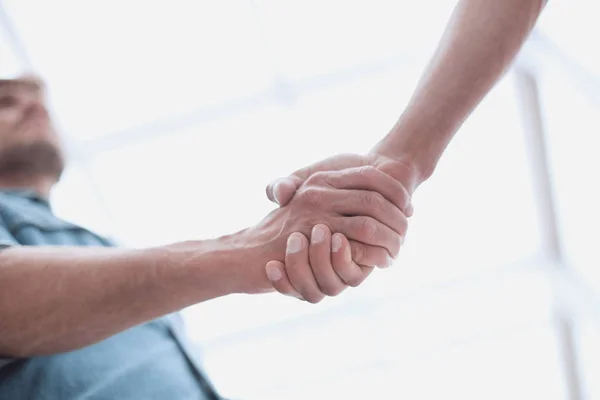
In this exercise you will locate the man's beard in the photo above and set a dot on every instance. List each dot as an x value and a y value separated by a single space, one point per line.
30 160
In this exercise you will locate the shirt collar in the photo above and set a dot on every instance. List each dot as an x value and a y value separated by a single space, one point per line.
29 194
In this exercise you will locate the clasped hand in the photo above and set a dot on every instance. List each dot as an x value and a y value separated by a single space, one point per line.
352 213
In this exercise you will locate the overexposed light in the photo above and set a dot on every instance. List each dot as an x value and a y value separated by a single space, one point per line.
180 113
10 66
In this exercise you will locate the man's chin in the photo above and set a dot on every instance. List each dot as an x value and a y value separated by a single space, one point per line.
37 158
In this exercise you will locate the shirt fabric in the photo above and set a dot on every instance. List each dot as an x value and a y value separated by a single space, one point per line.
149 361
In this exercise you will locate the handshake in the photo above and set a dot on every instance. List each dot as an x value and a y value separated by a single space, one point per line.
338 219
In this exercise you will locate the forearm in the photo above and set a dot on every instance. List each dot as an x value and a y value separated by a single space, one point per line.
56 299
480 41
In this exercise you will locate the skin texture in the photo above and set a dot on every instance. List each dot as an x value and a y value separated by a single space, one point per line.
479 43
137 285
118 288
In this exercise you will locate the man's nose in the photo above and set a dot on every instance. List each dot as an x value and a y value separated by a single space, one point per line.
35 108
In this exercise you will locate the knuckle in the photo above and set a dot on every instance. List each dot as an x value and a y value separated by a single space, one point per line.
358 252
312 196
317 178
367 171
372 200
367 227
367 200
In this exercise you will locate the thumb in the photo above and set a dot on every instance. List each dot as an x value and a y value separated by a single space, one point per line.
282 190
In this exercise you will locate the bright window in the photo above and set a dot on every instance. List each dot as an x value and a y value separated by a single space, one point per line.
177 115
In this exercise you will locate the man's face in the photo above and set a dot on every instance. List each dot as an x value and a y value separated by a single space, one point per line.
28 142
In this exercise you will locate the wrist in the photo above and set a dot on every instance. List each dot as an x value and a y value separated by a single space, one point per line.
206 269
418 167
254 247
401 164
417 147
226 265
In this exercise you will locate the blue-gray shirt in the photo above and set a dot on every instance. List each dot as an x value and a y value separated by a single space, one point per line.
149 361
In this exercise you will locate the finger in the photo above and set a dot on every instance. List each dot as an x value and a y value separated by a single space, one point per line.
369 231
370 204
278 277
339 162
281 190
366 272
298 268
335 163
363 254
329 282
410 210
269 190
371 179
349 272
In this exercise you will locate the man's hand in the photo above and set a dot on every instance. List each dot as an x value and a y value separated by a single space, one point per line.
320 267
282 190
312 272
361 203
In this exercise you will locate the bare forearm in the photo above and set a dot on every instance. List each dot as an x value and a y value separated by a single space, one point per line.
59 299
480 41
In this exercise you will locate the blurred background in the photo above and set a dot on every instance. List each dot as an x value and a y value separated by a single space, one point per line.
181 112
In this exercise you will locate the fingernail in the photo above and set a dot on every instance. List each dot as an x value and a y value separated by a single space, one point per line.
273 273
318 234
336 243
275 187
294 244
